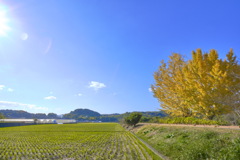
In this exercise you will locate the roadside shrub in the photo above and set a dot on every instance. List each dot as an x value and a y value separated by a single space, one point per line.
190 120
231 119
133 118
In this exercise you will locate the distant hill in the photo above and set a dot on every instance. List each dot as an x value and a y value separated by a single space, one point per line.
154 114
79 114
16 114
117 117
147 114
23 114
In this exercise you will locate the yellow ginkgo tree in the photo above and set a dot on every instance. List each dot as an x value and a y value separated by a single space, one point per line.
203 86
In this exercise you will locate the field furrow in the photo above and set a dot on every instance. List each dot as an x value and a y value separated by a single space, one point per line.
70 142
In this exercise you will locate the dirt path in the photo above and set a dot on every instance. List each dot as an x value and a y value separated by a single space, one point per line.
151 148
191 125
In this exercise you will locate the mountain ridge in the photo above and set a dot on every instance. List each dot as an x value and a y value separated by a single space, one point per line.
79 114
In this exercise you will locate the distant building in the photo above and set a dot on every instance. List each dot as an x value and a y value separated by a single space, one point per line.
62 121
41 121
18 120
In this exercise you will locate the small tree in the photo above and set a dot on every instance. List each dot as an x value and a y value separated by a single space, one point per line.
35 120
52 116
2 116
133 118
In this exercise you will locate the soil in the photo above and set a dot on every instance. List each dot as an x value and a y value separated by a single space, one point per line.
189 125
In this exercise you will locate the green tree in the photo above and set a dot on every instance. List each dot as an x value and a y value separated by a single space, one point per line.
35 120
145 119
2 116
133 118
52 115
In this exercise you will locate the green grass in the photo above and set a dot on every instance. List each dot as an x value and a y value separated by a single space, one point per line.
71 141
187 143
81 127
190 120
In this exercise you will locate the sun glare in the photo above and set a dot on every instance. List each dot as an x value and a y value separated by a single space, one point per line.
4 28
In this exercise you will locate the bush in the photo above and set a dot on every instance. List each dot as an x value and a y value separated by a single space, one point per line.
133 118
190 120
2 116
231 118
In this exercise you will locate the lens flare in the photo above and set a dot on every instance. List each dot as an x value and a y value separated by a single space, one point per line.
4 28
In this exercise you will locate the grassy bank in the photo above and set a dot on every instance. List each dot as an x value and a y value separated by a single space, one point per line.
190 120
189 143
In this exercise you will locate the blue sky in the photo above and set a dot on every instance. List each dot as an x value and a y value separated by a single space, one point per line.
60 55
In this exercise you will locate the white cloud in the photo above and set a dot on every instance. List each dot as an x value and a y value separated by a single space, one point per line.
10 90
16 105
50 97
2 87
150 89
79 94
96 85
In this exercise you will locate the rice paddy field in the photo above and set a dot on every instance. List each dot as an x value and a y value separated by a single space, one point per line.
93 141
